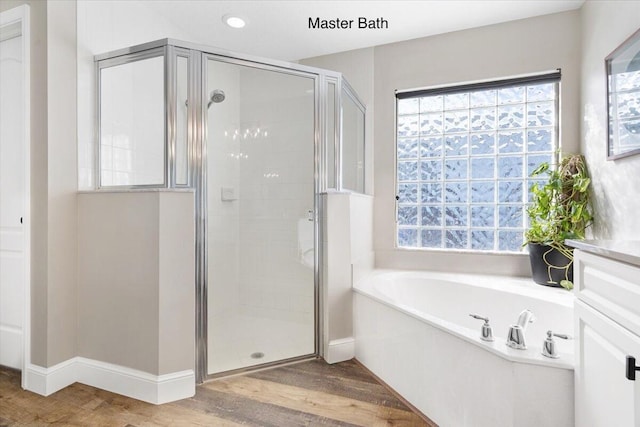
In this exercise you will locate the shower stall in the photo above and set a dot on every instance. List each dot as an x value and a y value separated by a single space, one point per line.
258 141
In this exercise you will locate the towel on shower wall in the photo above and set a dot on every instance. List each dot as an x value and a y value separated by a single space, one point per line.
306 246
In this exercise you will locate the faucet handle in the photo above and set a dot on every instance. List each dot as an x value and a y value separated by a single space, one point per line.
486 334
549 345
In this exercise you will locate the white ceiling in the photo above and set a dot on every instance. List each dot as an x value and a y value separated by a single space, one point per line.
279 29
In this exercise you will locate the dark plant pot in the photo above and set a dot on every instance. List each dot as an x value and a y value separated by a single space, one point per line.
548 265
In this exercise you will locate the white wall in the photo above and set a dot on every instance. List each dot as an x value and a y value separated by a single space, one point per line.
605 25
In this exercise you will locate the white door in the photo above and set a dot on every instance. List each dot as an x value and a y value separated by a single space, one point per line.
604 395
12 202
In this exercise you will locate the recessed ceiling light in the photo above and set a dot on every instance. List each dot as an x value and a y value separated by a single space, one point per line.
234 21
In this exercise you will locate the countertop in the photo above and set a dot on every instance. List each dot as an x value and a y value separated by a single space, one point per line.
621 250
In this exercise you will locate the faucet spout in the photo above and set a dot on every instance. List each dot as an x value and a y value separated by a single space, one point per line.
525 317
515 336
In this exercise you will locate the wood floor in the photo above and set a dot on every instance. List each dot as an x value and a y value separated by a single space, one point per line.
304 394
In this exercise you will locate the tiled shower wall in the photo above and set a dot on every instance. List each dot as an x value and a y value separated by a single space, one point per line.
223 172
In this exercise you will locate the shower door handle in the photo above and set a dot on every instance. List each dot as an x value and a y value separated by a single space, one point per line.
310 215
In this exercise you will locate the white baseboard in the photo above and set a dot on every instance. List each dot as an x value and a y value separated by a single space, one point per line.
156 389
46 381
340 350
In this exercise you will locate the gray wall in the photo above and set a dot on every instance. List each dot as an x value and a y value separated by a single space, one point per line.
136 271
501 50
55 320
62 181
176 302
605 25
348 256
495 51
53 179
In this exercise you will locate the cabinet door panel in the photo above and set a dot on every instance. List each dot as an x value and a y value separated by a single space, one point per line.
604 396
609 286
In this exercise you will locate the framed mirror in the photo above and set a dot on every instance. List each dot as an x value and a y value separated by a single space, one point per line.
623 99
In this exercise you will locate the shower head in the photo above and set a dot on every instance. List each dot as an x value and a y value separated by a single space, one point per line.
216 96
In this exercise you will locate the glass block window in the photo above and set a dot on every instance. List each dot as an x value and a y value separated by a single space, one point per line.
464 156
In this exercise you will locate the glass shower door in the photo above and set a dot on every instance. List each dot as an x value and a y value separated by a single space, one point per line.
260 210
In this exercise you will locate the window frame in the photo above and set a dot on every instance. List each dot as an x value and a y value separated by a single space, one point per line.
553 77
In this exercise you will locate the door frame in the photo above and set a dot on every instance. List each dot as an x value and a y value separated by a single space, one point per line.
21 15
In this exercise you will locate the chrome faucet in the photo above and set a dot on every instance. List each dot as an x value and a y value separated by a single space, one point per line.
515 336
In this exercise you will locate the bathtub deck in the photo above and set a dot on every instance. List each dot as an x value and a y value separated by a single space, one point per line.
308 393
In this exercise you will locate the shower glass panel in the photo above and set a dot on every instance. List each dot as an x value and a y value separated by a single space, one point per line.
181 147
331 134
352 143
261 223
132 117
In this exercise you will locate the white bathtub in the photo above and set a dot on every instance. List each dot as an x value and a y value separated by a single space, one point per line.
413 330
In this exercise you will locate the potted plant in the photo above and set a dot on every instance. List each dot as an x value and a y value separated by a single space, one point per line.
560 210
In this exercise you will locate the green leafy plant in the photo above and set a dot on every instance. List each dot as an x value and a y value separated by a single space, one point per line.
567 284
561 207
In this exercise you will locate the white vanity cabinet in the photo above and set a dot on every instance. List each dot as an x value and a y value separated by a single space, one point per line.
607 316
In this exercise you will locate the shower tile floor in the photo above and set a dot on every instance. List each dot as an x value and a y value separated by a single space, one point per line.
234 339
